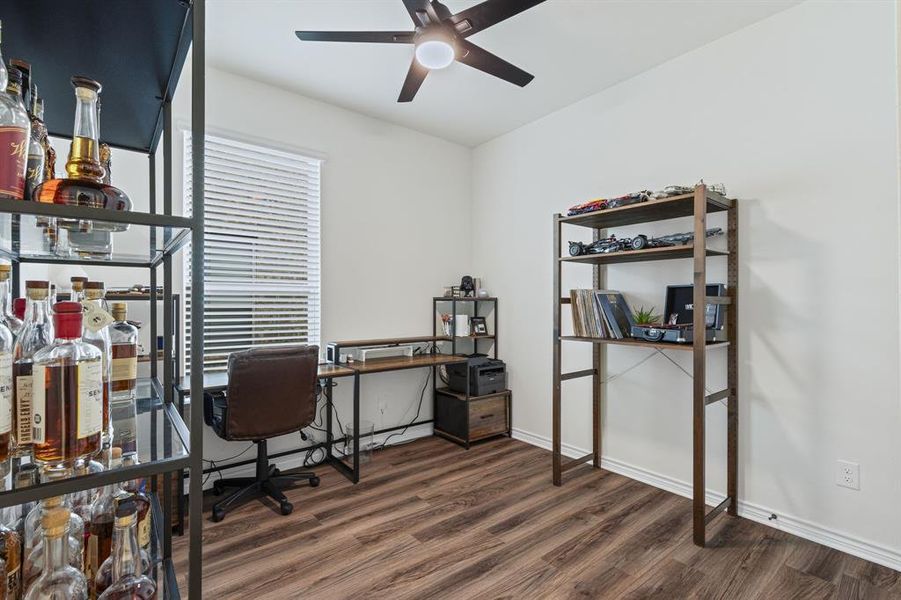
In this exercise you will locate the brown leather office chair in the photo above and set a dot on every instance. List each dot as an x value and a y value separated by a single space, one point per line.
271 392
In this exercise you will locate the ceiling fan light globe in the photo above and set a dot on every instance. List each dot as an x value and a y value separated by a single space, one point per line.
434 54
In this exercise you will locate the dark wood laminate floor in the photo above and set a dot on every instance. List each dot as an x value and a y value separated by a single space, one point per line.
431 520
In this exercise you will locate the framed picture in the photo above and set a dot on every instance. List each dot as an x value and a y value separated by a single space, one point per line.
478 326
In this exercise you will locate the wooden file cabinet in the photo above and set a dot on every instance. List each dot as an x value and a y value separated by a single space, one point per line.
466 419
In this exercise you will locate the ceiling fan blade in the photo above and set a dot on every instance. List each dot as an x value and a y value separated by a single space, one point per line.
378 37
481 59
415 77
488 13
418 9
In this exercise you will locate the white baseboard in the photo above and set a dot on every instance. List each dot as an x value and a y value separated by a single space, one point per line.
876 553
295 461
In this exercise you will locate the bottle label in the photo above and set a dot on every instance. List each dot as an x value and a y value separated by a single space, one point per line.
38 404
125 369
95 318
13 160
6 392
90 398
23 409
144 530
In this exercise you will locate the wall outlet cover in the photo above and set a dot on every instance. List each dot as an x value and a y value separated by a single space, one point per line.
847 474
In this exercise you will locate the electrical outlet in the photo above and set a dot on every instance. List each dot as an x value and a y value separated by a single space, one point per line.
847 474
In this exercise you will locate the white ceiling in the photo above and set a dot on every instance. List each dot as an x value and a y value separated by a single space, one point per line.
575 48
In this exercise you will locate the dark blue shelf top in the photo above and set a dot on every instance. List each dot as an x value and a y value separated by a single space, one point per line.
135 48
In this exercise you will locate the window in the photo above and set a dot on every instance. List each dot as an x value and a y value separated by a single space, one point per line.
261 255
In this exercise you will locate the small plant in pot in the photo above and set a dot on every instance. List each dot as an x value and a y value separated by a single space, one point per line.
646 316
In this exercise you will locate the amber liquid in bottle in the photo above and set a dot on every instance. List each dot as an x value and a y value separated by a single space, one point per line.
99 545
61 442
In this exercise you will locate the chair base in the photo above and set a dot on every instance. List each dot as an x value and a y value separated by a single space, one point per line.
269 481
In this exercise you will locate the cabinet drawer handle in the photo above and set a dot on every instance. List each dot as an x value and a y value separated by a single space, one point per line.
487 416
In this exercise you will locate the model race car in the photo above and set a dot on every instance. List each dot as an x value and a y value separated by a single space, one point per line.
639 242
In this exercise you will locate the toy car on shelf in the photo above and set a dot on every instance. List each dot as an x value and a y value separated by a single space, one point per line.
639 242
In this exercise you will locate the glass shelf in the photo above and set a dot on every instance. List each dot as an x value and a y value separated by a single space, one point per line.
161 441
22 239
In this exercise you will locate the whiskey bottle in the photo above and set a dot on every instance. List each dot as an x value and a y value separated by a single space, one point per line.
58 578
34 548
123 378
37 153
11 555
95 331
15 130
99 546
67 394
84 185
121 577
36 333
9 319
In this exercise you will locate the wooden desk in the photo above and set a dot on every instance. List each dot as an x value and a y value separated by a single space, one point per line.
218 382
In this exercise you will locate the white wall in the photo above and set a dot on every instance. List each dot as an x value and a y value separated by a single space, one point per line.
797 115
395 225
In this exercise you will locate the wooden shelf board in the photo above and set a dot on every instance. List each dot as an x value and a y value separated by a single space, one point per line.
640 343
397 363
446 299
648 254
647 212
392 341
475 337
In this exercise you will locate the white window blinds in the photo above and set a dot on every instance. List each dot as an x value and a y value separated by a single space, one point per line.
261 254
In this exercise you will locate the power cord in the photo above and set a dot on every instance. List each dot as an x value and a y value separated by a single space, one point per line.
428 377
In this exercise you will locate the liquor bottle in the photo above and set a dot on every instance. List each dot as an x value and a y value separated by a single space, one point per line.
67 393
10 554
81 502
103 516
36 333
34 548
24 68
15 129
77 287
135 488
96 332
6 314
58 578
84 185
121 577
37 153
123 377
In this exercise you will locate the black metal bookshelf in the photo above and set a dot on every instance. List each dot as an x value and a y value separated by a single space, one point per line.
137 50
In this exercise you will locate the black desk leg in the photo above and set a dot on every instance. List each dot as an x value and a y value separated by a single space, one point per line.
338 463
328 419
356 476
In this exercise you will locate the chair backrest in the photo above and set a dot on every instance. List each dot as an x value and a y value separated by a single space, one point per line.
271 391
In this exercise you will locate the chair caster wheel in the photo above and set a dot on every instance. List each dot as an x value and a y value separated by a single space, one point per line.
218 515
276 472
218 489
287 508
314 482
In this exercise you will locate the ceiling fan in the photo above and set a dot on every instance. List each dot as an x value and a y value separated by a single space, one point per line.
439 37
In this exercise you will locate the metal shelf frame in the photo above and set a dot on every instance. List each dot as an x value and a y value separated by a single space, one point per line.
176 232
696 205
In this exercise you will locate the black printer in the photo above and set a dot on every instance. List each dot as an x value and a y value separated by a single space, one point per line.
486 376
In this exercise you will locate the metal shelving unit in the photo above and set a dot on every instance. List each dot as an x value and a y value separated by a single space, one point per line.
696 205
139 67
